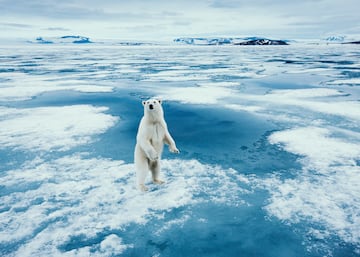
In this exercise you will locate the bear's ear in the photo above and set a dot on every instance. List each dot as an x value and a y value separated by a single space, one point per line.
160 101
143 103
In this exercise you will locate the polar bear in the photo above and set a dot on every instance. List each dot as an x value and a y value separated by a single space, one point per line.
150 139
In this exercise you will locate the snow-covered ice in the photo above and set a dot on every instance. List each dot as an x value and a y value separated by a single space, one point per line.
52 128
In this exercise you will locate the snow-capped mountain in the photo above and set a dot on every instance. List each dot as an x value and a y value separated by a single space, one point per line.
263 41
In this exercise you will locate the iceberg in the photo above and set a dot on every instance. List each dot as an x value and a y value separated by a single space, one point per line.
76 39
62 40
204 41
41 40
335 39
349 39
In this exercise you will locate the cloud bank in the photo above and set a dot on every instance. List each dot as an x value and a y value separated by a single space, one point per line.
167 19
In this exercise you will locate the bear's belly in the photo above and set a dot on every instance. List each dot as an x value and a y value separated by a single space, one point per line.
158 133
157 136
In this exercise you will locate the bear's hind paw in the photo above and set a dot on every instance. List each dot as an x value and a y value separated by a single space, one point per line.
158 182
143 188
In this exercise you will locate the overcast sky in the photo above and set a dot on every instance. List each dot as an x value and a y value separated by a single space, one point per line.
167 19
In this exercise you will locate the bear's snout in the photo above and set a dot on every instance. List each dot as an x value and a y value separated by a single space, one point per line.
151 106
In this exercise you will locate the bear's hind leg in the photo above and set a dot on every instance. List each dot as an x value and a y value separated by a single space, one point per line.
155 170
142 168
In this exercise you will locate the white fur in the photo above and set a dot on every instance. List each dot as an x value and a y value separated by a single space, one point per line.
150 139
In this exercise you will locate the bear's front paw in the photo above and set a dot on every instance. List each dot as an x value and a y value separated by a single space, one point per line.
173 149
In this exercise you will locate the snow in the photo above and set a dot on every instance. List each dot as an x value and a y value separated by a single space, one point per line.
326 190
76 198
350 81
16 93
293 100
52 128
318 147
195 95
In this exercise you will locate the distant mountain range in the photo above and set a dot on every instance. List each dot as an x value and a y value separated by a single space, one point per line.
263 41
201 41
230 41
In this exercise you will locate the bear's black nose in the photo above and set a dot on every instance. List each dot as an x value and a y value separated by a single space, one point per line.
151 106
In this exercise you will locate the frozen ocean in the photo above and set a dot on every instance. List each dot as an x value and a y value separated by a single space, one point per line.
269 139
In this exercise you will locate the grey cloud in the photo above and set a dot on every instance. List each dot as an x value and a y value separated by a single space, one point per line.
15 25
257 3
56 29
46 9
82 10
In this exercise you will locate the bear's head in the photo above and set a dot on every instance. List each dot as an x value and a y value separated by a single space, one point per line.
153 109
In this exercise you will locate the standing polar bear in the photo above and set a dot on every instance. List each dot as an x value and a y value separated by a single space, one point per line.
150 139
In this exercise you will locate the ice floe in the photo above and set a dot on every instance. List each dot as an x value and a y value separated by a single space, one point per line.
202 94
303 98
326 191
28 90
318 147
318 100
52 128
306 93
349 81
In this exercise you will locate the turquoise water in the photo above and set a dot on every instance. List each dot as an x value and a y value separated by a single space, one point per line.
269 162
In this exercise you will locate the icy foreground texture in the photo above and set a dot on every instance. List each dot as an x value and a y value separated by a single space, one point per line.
269 142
